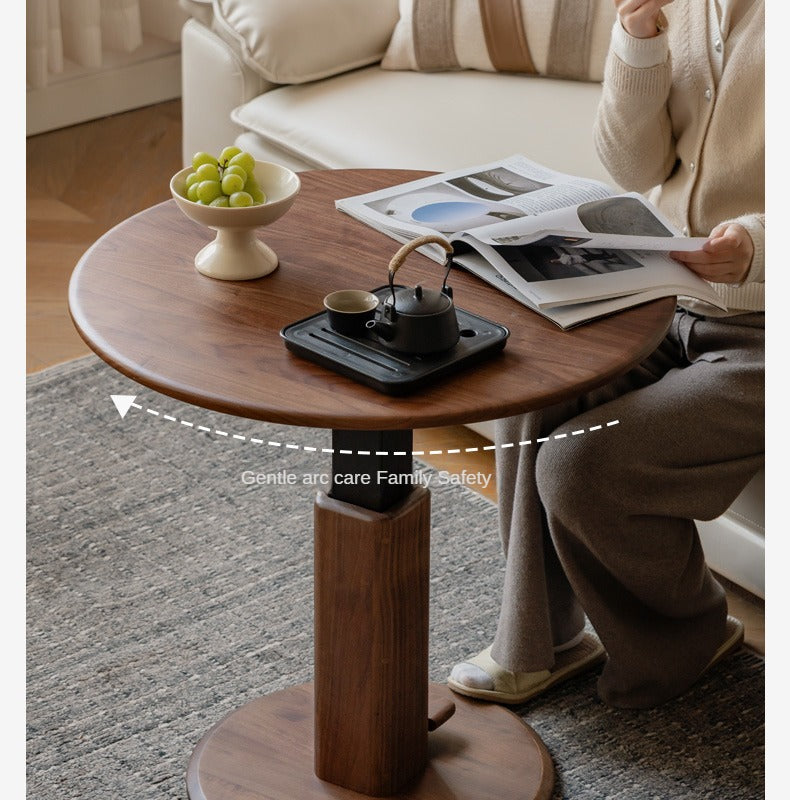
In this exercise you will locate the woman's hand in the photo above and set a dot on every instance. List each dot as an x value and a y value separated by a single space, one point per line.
640 18
724 258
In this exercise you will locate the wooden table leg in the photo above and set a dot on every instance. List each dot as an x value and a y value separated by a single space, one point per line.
369 721
371 643
372 563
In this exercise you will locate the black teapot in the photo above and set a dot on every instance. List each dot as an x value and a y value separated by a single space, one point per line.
418 321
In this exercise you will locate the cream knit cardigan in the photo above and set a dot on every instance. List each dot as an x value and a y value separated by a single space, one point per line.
700 148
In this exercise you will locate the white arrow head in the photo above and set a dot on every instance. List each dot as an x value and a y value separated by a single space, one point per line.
123 402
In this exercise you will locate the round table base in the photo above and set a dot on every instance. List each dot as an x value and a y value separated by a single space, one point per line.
264 750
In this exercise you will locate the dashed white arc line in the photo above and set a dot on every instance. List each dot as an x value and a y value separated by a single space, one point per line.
124 402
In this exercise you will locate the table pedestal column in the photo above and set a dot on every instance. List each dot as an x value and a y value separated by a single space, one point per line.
362 730
371 643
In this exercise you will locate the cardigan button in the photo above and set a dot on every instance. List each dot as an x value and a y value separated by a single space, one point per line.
717 45
692 166
685 231
708 94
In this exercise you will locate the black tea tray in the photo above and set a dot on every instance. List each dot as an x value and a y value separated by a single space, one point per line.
365 359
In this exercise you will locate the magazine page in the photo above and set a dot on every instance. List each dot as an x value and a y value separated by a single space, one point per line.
571 316
622 221
471 198
552 275
565 317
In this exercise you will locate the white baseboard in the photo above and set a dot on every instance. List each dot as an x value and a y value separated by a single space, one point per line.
152 74
735 552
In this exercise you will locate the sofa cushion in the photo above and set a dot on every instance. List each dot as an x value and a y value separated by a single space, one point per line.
295 41
437 121
549 37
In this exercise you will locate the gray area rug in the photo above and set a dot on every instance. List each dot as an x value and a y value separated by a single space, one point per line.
163 592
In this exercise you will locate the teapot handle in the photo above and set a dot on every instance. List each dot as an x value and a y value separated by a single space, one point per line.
397 260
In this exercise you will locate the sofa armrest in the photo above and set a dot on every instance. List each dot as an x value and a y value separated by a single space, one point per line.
214 80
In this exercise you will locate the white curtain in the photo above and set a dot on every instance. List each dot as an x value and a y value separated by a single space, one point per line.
83 31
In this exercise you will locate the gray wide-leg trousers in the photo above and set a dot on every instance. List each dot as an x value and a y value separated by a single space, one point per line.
599 520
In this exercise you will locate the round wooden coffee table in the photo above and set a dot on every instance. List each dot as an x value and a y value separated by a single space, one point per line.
362 728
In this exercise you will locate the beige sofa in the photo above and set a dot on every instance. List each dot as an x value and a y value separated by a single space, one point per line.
301 82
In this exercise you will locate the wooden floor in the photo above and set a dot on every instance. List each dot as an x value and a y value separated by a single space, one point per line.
83 180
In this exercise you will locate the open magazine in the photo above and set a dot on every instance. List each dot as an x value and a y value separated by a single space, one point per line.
570 248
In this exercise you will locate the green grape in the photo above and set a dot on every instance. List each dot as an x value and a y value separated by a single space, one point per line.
254 190
245 161
227 181
235 169
232 183
256 193
240 200
202 158
228 153
207 172
208 190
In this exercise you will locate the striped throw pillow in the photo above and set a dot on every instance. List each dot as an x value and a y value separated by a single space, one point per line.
557 38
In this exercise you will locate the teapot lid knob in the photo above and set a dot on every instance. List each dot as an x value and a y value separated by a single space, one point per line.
418 292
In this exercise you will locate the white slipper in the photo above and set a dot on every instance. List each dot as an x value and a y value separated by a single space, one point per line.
733 639
518 687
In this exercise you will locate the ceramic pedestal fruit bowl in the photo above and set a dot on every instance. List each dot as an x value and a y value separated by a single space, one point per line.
236 254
